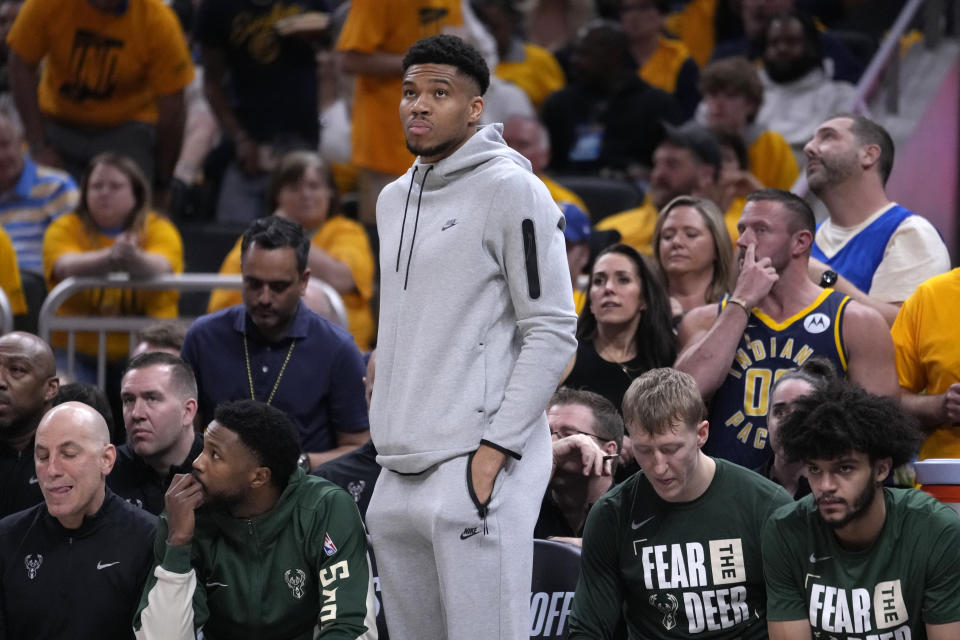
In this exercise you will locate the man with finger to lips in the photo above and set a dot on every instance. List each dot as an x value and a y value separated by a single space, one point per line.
249 546
775 319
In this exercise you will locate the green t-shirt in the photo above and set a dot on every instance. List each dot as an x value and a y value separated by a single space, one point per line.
908 578
678 570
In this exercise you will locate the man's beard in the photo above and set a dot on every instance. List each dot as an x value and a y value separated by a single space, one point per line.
433 151
784 72
860 504
216 503
833 171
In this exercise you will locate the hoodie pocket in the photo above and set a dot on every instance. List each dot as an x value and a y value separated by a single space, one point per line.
482 507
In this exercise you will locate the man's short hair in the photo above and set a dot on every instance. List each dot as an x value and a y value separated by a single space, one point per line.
660 398
698 141
167 334
274 232
451 50
801 215
267 432
866 131
182 378
735 75
832 422
607 422
89 395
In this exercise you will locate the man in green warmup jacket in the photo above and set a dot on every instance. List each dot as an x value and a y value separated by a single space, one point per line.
251 547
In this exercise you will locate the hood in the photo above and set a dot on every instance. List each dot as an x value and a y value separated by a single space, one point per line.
483 146
487 143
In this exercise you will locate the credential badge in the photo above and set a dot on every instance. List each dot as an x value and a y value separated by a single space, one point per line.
295 579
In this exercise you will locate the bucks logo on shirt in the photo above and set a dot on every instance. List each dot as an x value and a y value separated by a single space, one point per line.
708 581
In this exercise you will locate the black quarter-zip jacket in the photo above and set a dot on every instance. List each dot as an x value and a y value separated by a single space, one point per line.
74 584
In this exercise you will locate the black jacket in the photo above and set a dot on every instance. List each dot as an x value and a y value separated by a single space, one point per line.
136 482
59 584
19 488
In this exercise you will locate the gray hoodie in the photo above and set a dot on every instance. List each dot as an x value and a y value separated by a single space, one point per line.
476 309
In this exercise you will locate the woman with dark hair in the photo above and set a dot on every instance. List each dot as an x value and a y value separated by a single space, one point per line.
302 190
625 329
112 230
693 251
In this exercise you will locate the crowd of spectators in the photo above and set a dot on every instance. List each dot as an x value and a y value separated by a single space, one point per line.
707 311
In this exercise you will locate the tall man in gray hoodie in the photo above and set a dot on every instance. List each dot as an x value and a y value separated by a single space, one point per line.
476 327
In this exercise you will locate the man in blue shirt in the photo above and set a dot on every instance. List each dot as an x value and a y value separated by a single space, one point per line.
874 250
275 350
31 196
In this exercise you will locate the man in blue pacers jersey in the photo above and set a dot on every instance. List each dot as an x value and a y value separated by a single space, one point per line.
774 321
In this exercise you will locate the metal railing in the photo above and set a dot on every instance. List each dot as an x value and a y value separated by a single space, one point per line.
884 67
6 314
49 321
887 59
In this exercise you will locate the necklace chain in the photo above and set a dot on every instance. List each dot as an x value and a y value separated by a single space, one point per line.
283 367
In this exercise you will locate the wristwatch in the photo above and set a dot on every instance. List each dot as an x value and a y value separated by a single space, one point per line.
829 278
304 462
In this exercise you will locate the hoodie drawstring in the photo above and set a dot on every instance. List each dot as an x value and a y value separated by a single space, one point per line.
416 222
403 225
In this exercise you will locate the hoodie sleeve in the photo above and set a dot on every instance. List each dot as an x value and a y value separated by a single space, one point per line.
525 228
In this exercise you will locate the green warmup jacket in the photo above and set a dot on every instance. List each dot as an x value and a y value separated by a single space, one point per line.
299 571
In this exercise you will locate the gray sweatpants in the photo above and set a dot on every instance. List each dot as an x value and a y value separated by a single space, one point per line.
445 574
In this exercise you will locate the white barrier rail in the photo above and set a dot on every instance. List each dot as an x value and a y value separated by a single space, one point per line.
49 321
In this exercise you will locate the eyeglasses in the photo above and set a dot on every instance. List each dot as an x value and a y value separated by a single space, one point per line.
565 432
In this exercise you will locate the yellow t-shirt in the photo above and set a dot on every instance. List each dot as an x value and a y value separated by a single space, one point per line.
387 26
771 160
345 240
663 67
538 74
694 26
579 300
732 216
10 275
101 68
560 193
927 351
68 234
635 225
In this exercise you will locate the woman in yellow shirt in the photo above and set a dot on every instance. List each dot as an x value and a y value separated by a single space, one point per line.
302 190
112 230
